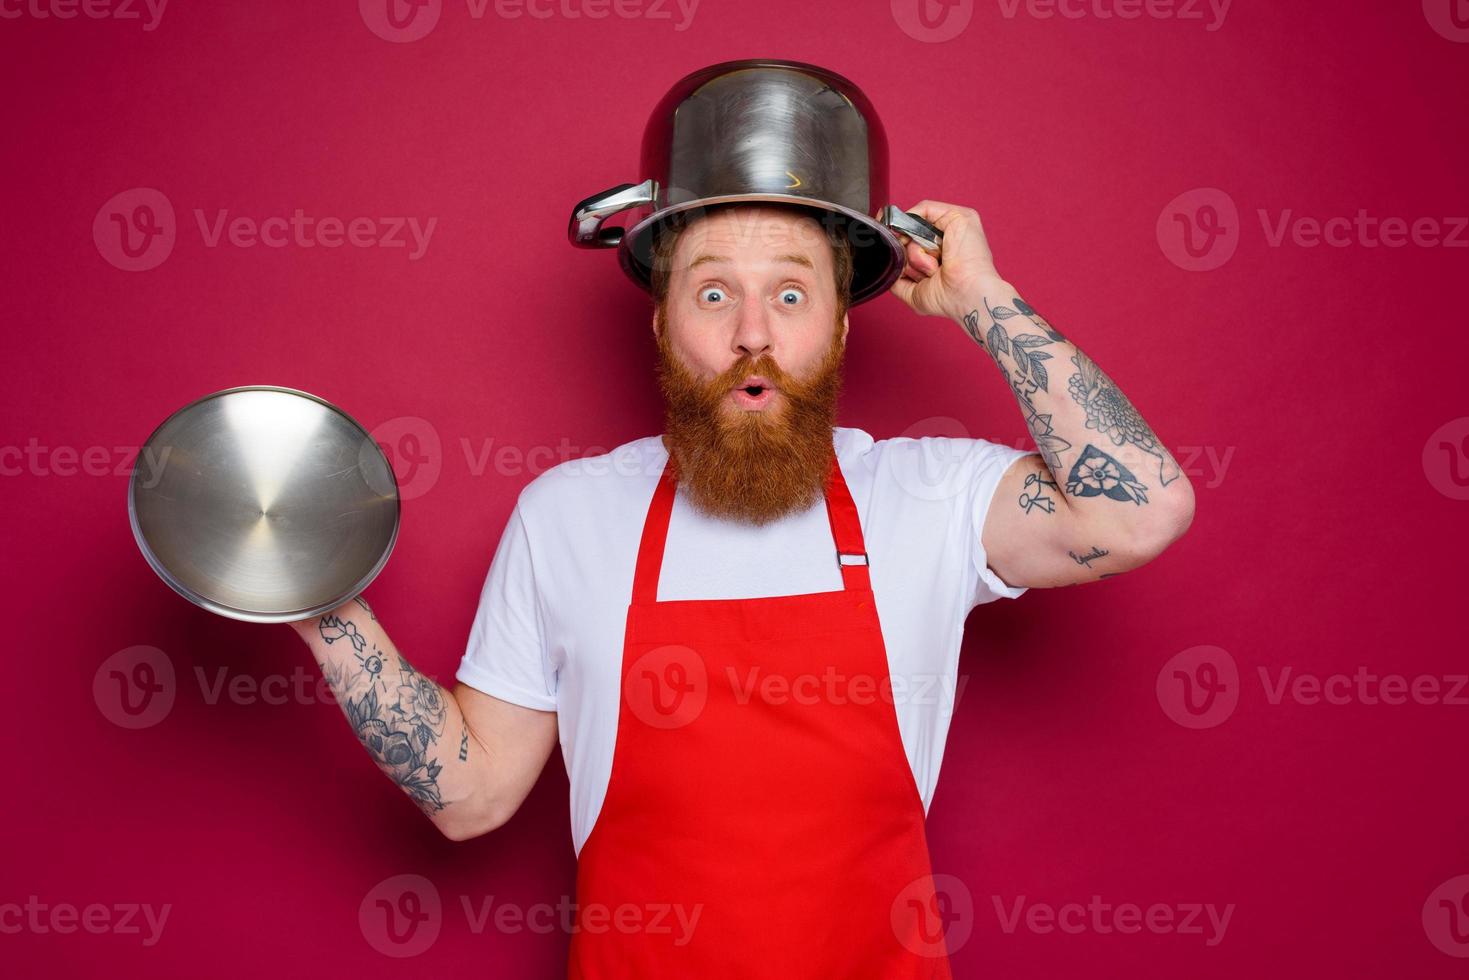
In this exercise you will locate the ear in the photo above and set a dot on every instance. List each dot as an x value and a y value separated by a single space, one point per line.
846 325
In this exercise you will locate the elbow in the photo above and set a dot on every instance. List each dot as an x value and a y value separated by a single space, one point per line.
1166 527
459 822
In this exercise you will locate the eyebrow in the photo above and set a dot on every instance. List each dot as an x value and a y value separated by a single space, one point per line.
790 257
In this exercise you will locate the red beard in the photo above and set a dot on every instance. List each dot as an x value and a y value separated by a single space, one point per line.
750 466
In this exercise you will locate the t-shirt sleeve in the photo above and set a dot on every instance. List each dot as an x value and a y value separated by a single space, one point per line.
989 462
507 655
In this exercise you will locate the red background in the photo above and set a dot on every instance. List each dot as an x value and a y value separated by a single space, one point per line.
1324 546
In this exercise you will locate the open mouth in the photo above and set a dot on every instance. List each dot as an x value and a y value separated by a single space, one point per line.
754 393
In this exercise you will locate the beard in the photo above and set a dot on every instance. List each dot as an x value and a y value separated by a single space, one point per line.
750 466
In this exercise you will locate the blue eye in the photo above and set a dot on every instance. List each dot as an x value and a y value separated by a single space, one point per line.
792 291
712 289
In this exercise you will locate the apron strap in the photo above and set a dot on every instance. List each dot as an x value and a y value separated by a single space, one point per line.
846 531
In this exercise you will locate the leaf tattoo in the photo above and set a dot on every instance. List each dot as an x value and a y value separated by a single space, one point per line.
1030 373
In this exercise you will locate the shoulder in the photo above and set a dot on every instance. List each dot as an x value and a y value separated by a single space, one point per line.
933 467
582 484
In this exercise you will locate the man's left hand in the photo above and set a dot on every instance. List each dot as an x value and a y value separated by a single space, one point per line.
946 284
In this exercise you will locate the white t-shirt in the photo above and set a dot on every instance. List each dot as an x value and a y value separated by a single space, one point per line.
548 633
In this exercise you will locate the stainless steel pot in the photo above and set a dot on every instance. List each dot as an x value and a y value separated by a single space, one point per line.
264 504
761 130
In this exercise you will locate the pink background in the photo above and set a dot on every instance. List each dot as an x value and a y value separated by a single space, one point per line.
1332 541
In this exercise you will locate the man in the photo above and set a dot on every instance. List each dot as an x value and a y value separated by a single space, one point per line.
745 633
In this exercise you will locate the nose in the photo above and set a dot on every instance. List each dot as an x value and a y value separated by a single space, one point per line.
752 336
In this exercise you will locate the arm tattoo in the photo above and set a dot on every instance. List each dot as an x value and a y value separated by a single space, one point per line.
397 715
1097 474
464 744
1089 557
1030 373
1109 410
1037 497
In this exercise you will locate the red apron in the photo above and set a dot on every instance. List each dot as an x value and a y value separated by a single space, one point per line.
761 818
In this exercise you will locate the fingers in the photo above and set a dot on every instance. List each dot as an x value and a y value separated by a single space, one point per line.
903 289
941 214
919 258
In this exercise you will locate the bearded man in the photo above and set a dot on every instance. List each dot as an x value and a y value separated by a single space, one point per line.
744 632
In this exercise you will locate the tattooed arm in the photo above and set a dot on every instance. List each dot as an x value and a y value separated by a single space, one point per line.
467 759
1105 495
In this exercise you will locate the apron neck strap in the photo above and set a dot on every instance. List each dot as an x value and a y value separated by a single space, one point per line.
846 532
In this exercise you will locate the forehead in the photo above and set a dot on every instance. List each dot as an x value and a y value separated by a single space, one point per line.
749 235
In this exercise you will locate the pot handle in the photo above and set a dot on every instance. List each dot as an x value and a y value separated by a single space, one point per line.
910 224
585 229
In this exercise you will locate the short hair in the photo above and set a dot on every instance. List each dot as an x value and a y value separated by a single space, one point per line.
667 231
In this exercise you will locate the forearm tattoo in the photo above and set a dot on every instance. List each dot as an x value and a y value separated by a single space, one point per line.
1022 359
1108 410
397 713
1030 374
